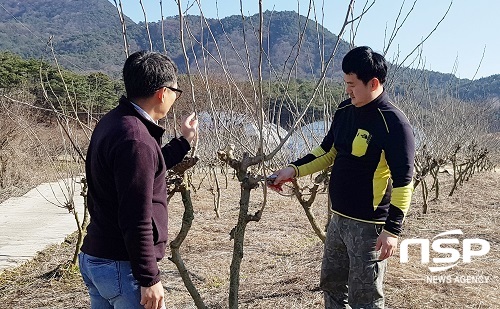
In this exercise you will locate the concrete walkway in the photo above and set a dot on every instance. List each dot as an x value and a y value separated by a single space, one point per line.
31 222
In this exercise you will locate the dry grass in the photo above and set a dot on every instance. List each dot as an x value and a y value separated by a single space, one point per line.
44 282
32 156
282 258
475 210
33 147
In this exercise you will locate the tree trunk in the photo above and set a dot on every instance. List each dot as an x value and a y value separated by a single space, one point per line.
238 233
79 240
425 194
187 220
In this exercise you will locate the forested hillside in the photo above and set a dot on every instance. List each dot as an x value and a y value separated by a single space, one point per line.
94 93
86 36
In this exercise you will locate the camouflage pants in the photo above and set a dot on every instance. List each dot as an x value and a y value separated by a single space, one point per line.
351 274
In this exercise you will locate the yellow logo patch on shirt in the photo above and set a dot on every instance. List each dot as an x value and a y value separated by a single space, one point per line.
360 143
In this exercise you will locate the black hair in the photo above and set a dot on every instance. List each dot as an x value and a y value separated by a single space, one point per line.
145 72
366 64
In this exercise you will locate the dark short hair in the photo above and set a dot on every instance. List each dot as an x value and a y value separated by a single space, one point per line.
145 72
366 64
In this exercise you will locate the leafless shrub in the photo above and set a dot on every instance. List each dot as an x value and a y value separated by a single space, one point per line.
451 134
21 166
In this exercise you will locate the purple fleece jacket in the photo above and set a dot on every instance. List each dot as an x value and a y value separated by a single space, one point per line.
127 196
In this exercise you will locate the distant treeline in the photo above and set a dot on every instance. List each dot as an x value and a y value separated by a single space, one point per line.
97 93
94 93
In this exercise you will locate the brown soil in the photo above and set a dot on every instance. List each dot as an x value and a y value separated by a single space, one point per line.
282 258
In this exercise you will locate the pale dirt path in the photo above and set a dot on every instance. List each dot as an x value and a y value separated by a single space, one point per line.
31 222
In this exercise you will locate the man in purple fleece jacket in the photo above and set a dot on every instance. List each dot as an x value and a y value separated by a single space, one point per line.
127 200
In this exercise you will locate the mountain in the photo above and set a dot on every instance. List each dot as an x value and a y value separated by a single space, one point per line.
280 44
486 88
86 36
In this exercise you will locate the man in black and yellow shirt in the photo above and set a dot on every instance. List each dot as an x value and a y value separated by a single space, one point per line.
371 147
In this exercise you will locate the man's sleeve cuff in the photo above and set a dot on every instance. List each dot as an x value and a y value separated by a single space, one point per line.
186 146
392 234
148 283
296 170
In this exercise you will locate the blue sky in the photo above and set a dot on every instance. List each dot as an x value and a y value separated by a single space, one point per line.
470 27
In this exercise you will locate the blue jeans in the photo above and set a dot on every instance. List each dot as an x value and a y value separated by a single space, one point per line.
110 283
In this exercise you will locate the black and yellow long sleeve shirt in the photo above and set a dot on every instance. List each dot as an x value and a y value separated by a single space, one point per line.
372 149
